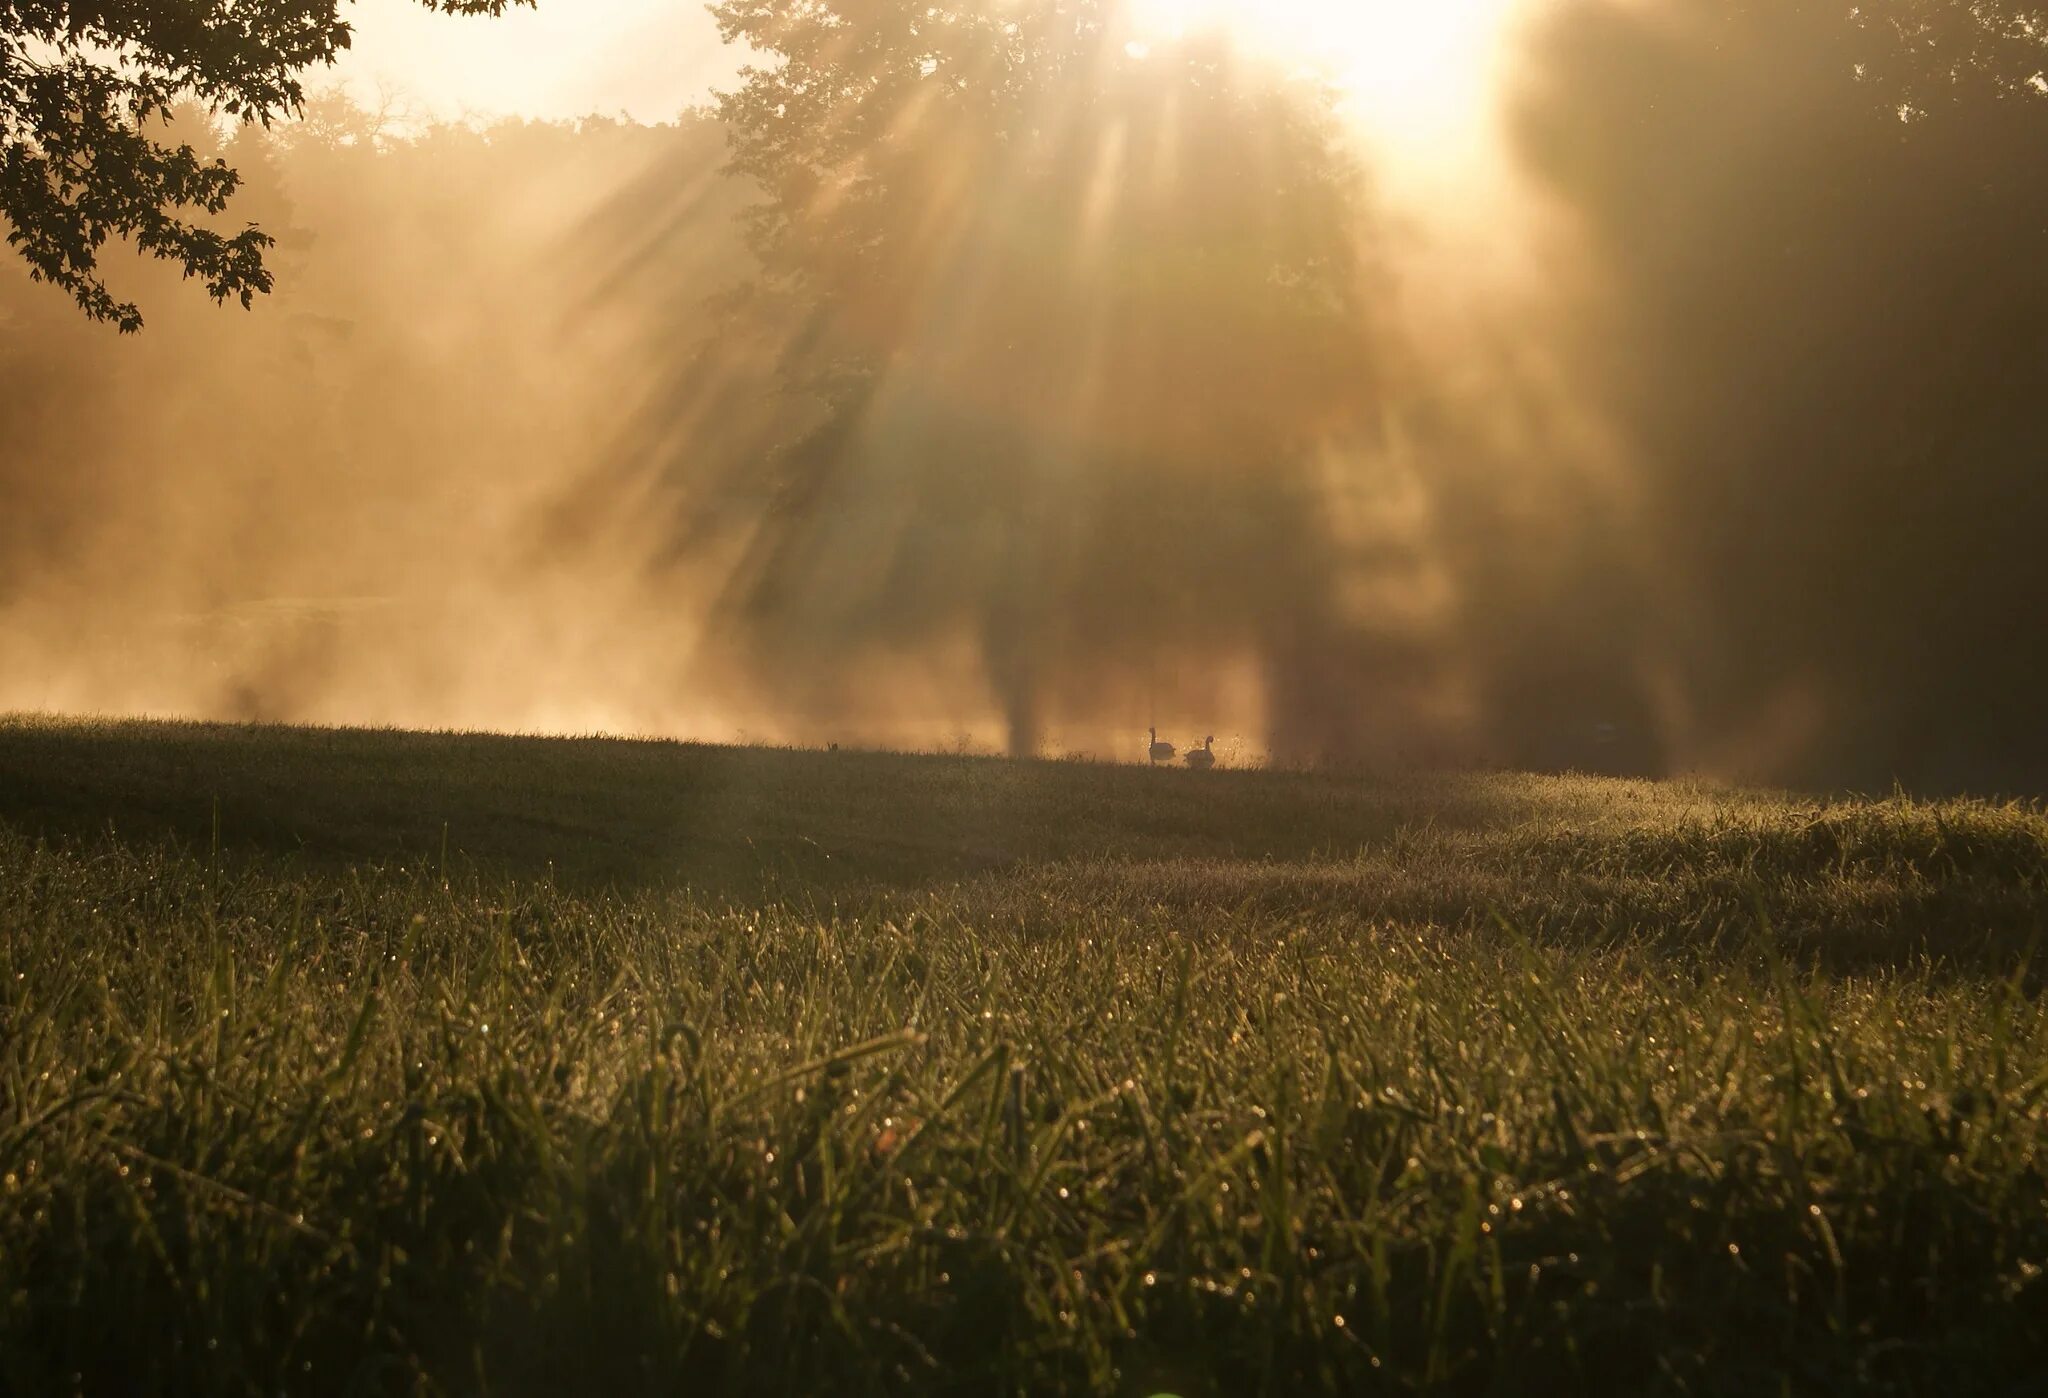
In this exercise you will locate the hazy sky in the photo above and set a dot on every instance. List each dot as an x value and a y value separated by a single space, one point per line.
645 58
1420 74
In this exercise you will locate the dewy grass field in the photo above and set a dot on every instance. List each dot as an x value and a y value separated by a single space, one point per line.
384 1063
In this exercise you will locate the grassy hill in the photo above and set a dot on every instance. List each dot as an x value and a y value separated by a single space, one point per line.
386 1062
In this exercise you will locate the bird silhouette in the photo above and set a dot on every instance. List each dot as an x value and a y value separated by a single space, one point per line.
1203 757
1160 752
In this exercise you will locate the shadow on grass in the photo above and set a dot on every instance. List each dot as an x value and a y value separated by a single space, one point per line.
745 824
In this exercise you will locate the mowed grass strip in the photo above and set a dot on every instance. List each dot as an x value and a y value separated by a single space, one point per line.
1487 1085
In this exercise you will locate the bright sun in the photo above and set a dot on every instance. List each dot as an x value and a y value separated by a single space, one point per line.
1420 75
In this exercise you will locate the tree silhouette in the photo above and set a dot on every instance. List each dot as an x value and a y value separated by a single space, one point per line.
1070 314
1822 235
85 88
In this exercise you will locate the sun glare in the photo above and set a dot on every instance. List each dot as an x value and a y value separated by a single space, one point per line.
1419 76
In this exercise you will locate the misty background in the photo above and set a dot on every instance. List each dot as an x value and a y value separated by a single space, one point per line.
1038 385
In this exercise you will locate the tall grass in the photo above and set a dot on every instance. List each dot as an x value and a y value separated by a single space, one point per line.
1619 1089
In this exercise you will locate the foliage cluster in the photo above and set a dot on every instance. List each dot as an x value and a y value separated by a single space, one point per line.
85 92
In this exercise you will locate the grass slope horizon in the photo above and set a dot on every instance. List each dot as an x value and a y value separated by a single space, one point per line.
367 1061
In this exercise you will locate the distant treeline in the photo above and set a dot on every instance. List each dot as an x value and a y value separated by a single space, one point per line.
345 505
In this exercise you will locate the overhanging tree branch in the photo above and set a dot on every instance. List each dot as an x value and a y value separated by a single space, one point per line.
82 84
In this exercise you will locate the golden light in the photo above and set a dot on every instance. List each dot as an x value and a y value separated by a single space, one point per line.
1419 76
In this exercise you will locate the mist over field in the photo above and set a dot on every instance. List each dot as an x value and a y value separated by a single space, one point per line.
1103 385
